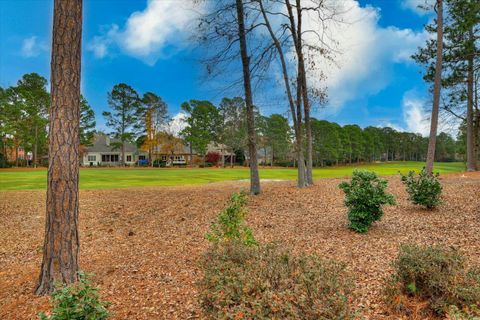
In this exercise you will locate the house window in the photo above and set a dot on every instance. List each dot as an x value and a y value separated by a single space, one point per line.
109 157
164 158
178 158
141 157
92 158
129 158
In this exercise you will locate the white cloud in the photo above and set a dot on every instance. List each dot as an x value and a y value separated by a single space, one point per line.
31 47
414 5
366 54
100 44
176 124
417 120
151 34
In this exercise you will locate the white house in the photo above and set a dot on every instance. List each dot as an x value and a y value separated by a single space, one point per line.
106 151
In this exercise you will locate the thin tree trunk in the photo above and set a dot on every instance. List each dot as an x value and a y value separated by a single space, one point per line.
297 121
191 155
35 148
436 90
306 102
471 156
16 153
61 247
231 159
298 106
252 147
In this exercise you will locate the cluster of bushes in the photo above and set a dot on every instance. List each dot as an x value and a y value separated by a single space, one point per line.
437 276
246 279
366 193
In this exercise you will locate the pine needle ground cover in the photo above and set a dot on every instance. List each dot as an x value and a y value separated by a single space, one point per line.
109 178
144 245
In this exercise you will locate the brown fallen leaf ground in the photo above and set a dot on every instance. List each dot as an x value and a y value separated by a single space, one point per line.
143 245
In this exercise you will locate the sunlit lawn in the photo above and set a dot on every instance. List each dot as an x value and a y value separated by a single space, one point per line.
108 178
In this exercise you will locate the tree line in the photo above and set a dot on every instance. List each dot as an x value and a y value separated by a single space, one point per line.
143 120
24 118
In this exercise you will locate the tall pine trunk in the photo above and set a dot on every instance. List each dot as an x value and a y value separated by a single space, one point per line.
471 156
436 90
61 245
252 147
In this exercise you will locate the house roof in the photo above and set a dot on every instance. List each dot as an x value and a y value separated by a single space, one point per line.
100 145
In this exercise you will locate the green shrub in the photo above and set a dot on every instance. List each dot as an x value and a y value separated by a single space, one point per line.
424 189
436 275
364 197
230 224
268 282
78 301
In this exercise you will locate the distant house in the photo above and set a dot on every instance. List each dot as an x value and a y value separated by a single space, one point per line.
177 152
226 156
105 152
172 154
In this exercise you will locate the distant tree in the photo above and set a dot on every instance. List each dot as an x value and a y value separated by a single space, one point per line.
356 142
203 122
278 136
87 123
168 143
32 89
327 142
14 121
61 245
125 104
233 129
155 117
446 148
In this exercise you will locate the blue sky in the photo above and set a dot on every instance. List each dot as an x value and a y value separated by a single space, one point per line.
375 84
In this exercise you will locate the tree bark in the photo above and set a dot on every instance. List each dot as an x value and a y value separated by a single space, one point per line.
471 156
61 244
436 90
252 147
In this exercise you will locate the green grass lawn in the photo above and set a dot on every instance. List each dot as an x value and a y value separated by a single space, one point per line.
108 178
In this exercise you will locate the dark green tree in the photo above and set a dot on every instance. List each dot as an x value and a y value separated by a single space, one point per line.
203 124
233 128
278 136
35 100
124 118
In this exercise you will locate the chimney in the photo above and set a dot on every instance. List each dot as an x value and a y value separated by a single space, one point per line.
107 141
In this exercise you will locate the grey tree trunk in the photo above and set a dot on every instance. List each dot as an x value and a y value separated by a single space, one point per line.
252 146
61 246
35 148
436 90
297 122
306 102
